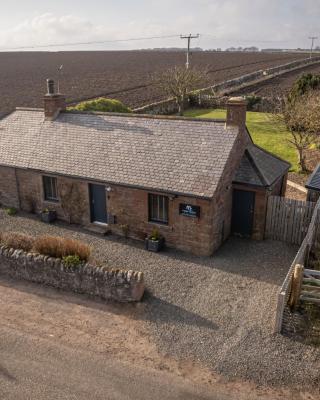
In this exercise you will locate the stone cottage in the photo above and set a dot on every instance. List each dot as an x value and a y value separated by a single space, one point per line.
195 180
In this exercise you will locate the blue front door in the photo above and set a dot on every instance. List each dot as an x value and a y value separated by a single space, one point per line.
98 203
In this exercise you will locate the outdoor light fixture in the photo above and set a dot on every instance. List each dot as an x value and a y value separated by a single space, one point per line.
108 189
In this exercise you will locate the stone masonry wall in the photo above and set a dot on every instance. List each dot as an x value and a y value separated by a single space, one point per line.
123 286
32 196
129 207
222 202
8 188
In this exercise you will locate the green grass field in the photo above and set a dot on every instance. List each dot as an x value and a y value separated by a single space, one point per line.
265 132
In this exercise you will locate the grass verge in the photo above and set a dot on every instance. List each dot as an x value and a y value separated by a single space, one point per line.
265 132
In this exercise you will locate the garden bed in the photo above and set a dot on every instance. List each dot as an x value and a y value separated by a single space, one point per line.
70 271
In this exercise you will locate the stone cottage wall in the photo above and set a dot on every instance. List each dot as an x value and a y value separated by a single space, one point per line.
123 286
8 188
76 194
130 208
222 202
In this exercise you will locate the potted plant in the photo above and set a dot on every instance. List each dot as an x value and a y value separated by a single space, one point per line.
155 241
48 216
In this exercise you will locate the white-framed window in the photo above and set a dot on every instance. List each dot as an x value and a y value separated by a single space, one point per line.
50 188
158 208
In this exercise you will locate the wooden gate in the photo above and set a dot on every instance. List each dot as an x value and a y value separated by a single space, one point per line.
288 219
310 289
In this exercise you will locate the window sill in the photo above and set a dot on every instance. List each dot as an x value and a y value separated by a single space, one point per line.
51 201
160 224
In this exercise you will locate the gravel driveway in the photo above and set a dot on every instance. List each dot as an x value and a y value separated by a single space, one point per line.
218 311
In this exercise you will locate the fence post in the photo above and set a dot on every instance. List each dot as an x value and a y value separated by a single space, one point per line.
296 285
279 312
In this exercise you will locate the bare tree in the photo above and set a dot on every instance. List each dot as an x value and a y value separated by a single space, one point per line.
302 119
177 82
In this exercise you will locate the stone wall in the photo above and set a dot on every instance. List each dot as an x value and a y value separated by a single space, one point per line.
123 286
164 107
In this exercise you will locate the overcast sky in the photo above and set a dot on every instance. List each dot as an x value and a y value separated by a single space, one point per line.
221 23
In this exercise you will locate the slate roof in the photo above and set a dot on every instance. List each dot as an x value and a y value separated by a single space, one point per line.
313 182
260 168
172 155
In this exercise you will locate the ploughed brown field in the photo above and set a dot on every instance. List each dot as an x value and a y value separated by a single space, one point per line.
124 75
279 85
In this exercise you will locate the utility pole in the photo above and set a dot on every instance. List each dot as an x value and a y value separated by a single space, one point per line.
189 37
312 38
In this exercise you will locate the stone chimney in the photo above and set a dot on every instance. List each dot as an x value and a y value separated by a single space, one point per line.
236 112
53 102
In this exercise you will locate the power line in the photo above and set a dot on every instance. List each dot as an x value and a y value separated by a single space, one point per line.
244 40
312 38
50 45
189 37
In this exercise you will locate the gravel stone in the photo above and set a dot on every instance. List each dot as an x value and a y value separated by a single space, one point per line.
216 310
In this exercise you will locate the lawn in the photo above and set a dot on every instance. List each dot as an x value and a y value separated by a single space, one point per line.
269 134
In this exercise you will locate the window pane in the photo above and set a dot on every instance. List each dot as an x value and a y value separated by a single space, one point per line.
158 208
50 188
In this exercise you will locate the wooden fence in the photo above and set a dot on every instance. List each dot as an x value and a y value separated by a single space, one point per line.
301 258
288 219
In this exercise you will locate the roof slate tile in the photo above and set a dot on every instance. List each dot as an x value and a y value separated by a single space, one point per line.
184 156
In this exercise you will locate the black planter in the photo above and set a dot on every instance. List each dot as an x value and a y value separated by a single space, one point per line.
154 245
48 216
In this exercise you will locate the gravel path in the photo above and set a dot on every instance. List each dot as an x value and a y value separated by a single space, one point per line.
218 311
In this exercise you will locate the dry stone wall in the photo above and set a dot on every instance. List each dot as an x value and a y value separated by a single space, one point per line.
118 285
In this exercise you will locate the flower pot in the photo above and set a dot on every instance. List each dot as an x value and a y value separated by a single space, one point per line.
48 216
154 245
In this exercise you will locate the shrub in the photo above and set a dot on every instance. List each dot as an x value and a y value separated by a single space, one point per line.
11 211
61 247
302 85
253 102
103 105
17 240
71 261
155 235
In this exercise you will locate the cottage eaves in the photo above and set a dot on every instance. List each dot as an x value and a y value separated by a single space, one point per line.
174 155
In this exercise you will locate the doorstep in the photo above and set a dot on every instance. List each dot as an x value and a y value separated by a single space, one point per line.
98 227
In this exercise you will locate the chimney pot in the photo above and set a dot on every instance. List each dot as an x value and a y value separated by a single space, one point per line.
236 112
53 102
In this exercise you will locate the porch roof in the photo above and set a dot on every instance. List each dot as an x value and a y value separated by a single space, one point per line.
260 168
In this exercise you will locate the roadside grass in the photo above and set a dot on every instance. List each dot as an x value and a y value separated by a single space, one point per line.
265 132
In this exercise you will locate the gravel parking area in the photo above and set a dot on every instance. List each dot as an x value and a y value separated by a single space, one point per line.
218 311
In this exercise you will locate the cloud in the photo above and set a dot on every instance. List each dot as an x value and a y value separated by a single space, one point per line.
49 28
265 23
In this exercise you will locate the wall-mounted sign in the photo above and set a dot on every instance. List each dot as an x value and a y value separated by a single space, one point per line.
189 210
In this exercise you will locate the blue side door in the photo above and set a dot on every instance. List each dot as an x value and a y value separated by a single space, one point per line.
98 203
242 212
